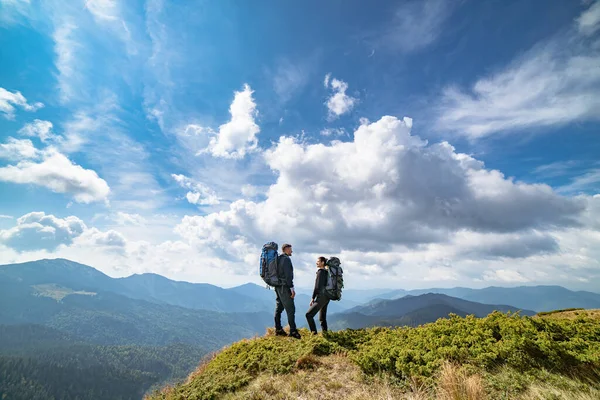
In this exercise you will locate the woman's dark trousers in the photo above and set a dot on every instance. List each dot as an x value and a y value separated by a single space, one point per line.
320 306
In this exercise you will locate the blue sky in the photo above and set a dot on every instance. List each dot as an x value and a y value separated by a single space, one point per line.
440 143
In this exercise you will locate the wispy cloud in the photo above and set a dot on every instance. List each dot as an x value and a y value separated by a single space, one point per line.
556 169
123 218
589 182
106 10
66 46
415 24
339 102
109 13
198 193
10 100
555 83
333 132
38 128
589 21
12 10
289 78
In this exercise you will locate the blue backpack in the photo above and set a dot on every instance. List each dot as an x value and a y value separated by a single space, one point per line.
269 271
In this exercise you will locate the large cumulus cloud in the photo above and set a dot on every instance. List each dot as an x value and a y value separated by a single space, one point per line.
385 188
41 231
37 230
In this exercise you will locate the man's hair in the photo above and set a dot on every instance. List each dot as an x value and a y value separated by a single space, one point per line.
324 259
285 246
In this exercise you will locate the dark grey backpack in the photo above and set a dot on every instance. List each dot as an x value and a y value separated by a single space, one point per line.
335 279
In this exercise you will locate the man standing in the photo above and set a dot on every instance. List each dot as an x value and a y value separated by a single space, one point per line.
286 293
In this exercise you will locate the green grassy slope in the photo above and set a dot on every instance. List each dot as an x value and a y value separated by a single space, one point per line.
505 356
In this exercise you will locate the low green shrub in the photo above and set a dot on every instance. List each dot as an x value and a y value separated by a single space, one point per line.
521 343
503 348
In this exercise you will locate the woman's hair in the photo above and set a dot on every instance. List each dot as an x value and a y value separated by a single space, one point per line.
323 259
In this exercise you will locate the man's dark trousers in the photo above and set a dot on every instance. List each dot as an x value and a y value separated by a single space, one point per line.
319 306
285 301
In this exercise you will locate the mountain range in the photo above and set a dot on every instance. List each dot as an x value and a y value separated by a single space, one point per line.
413 311
537 298
60 318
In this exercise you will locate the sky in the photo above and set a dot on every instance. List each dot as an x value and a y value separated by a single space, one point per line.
425 143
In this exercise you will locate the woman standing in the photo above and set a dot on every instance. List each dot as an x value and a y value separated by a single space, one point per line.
319 300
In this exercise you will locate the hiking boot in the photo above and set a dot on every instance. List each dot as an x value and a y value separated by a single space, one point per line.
295 334
280 332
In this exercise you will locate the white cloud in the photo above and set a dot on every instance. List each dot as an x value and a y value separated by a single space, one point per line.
38 128
237 137
123 218
37 230
77 131
589 21
333 132
10 100
15 149
38 236
385 189
2 216
57 173
250 191
339 103
111 240
554 83
199 193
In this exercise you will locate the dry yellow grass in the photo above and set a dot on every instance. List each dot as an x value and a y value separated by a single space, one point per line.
593 313
544 392
455 384
328 378
337 378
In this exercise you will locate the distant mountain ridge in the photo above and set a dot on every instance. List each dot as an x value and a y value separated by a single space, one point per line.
537 298
149 287
254 298
111 319
414 310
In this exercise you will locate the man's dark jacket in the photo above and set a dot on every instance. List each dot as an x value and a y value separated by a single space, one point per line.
286 270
